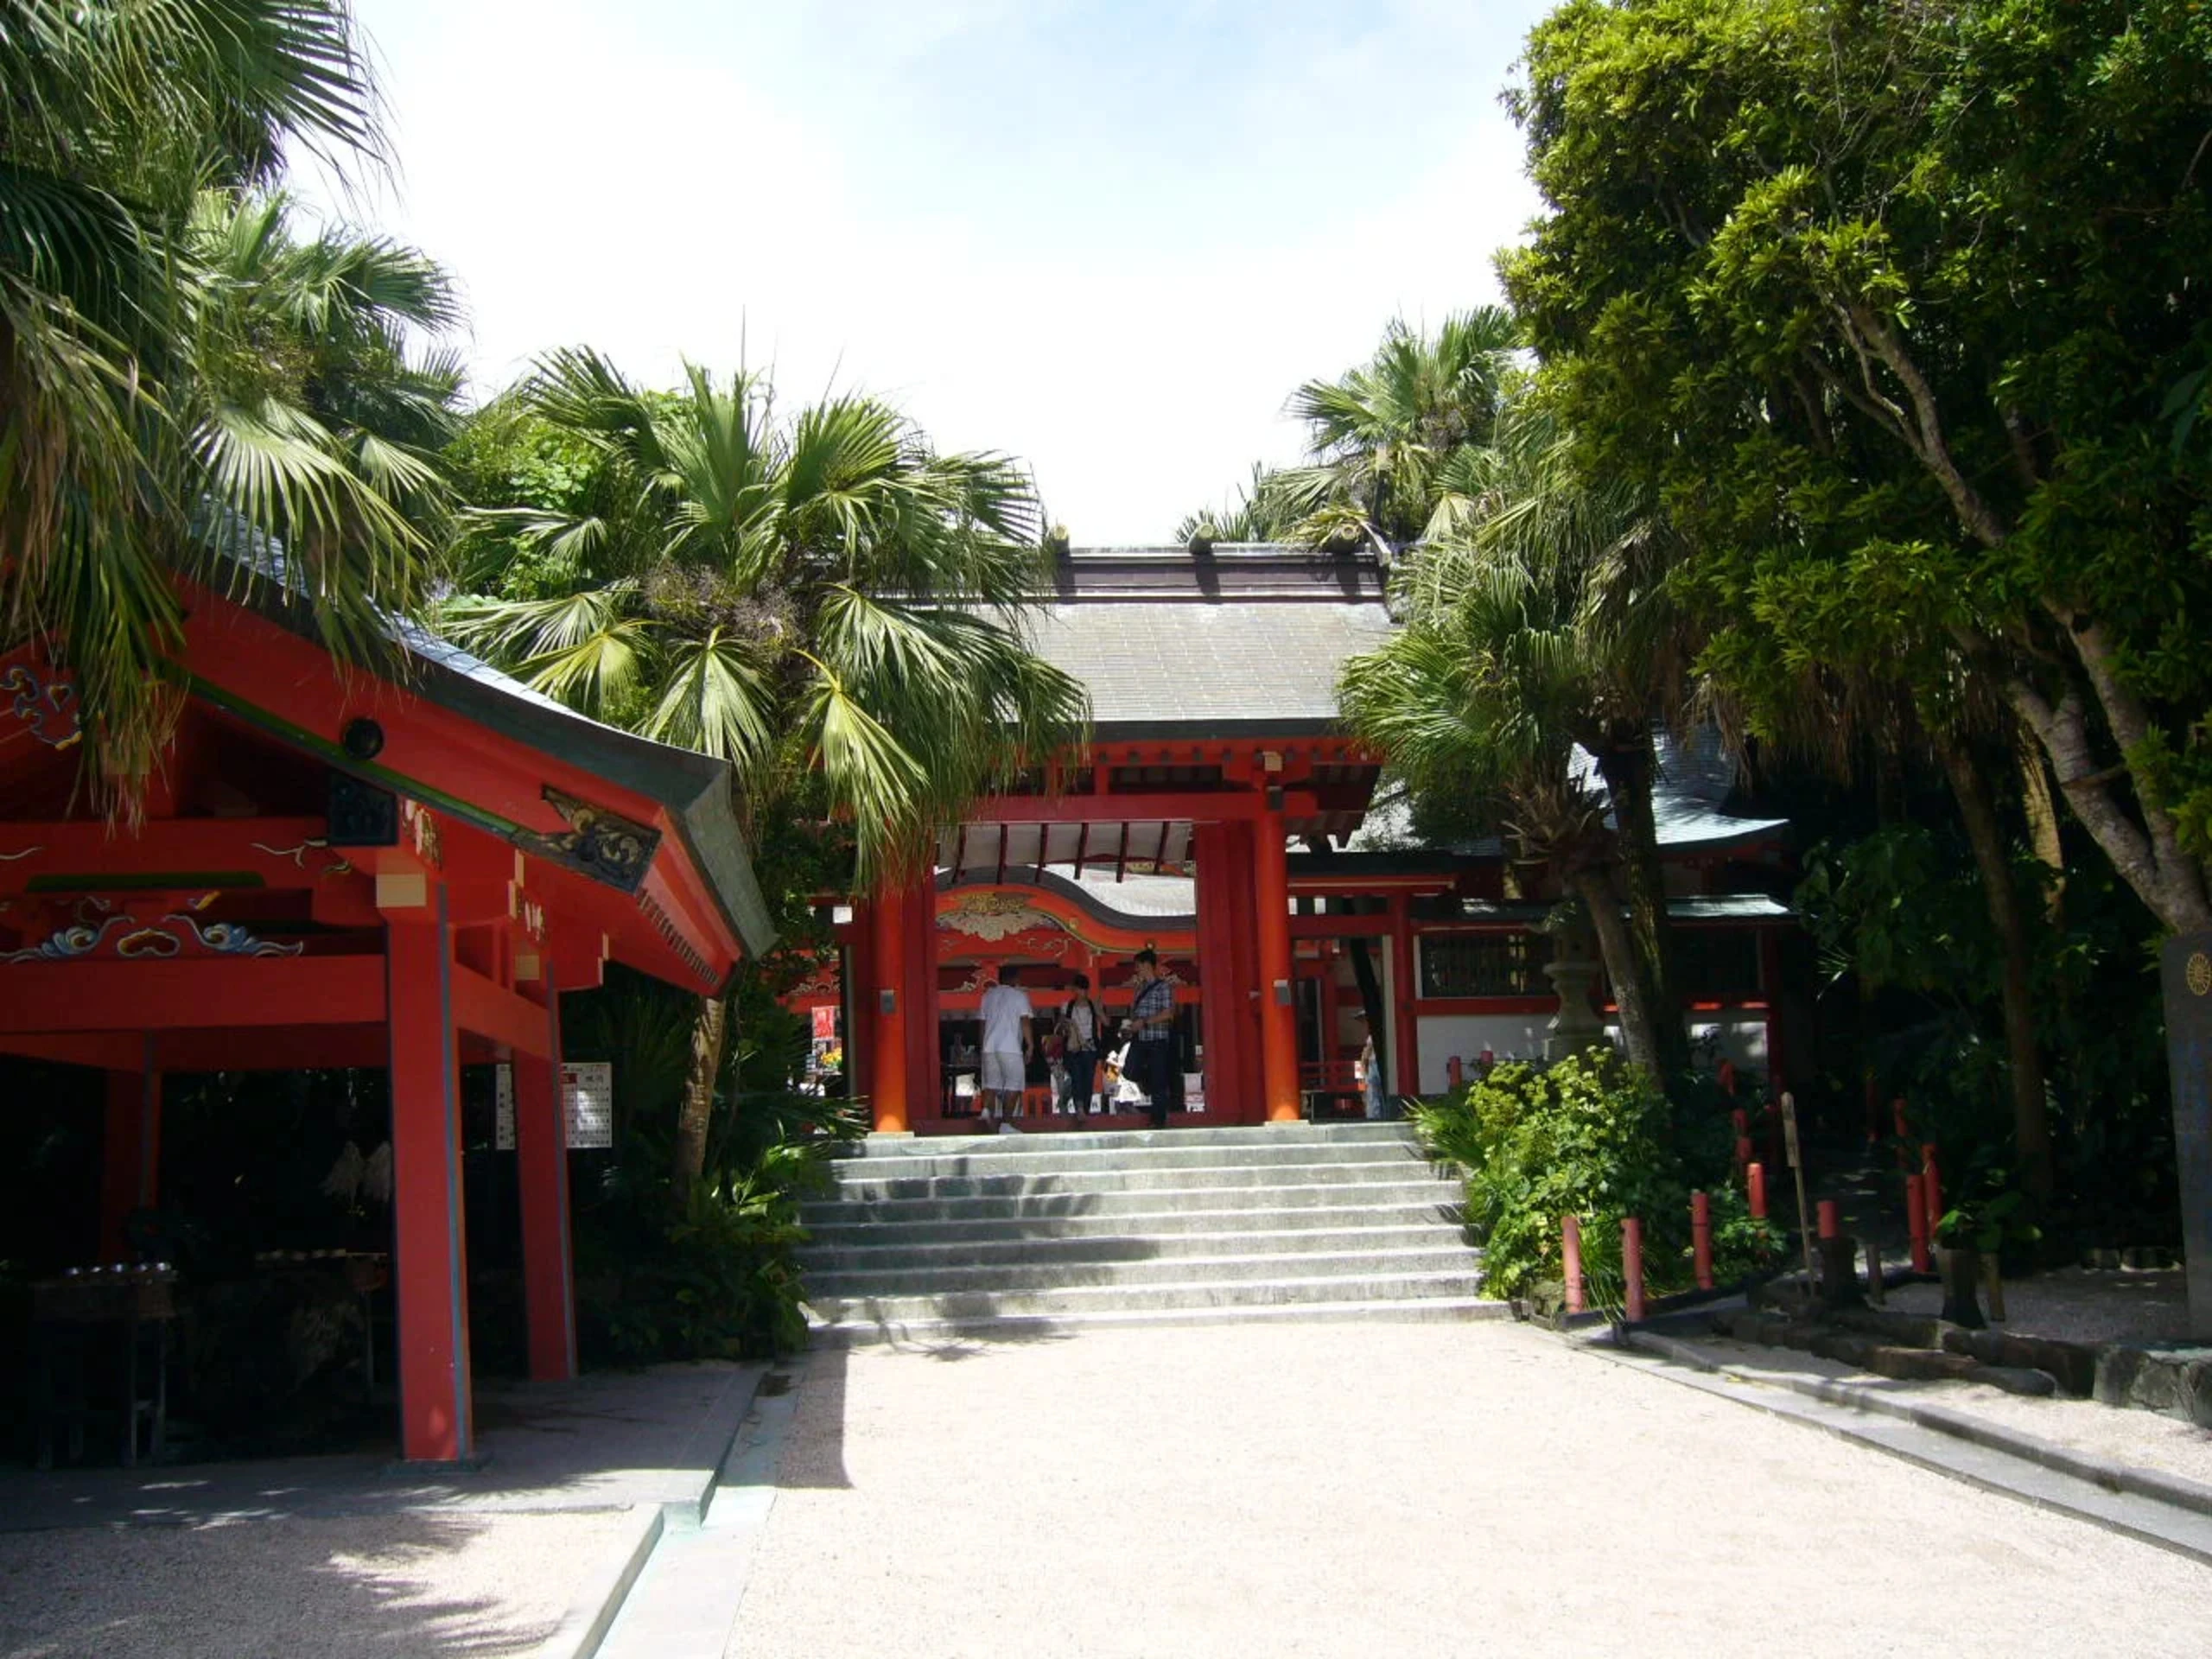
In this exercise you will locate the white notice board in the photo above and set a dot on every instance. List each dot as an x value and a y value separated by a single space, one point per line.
587 1101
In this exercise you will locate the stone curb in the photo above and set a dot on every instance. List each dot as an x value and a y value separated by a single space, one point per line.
592 1614
2098 1472
1015 1327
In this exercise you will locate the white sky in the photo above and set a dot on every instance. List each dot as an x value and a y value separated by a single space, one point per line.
1108 239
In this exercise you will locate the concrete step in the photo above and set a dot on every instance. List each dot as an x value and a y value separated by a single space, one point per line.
1288 1291
1241 1135
860 1330
857 1251
1358 1259
1326 1196
1127 1178
831 1229
1021 1155
1232 1268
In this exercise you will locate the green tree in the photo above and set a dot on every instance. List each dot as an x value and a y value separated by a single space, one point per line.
1541 624
1386 435
1900 308
183 382
821 600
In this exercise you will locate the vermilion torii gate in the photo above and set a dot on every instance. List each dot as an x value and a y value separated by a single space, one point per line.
402 867
1226 808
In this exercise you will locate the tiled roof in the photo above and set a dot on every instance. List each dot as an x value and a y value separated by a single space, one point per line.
1220 667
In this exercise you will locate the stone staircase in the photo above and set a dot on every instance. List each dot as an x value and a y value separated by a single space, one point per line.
1298 1221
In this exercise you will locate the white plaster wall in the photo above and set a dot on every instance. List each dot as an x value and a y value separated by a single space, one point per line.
1509 1036
1521 1037
1743 1038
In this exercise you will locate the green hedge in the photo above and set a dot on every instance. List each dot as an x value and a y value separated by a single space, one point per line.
1591 1136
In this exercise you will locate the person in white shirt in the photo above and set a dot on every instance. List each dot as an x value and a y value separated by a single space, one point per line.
1007 1044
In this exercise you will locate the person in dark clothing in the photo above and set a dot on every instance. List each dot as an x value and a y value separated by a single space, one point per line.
1152 1063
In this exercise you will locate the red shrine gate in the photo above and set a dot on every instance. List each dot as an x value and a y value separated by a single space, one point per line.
340 868
1224 810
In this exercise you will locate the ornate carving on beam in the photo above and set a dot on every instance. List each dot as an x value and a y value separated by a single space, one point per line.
984 914
422 827
101 931
298 855
599 842
45 701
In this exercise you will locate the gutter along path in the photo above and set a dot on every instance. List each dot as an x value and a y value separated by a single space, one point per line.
2130 1472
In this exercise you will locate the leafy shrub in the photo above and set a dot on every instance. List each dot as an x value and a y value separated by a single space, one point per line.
1590 1136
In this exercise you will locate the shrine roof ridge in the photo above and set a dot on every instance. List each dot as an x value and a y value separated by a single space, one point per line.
1273 572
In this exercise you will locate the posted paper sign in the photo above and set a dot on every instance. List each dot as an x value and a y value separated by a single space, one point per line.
587 1098
503 1107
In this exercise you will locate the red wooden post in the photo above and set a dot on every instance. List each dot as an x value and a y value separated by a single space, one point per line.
1916 1221
1278 1008
1701 1239
1897 1115
1455 1068
887 1009
429 1227
1931 1187
131 1154
1831 1219
1570 1241
1755 1190
1632 1266
541 1170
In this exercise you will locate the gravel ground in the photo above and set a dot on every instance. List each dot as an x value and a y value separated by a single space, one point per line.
1380 1489
2076 1304
2142 1438
350 1588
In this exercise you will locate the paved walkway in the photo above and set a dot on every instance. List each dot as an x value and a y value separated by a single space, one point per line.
1362 1490
349 1556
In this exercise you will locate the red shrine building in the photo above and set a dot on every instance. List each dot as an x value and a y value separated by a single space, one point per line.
1222 815
402 866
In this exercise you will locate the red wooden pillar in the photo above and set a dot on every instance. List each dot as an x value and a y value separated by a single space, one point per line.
917 995
1221 1011
541 1161
1277 1010
1405 1058
131 1152
1244 927
430 1233
859 984
887 1009
1328 1048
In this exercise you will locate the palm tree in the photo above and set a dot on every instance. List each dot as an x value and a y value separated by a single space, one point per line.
155 416
1259 514
1386 435
823 602
1539 622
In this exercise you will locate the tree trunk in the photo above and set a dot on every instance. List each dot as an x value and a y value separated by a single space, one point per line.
1629 767
2042 808
1622 966
1370 1000
709 1034
2030 1112
2147 855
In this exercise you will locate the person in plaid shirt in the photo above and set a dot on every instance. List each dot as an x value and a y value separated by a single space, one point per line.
1150 1062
